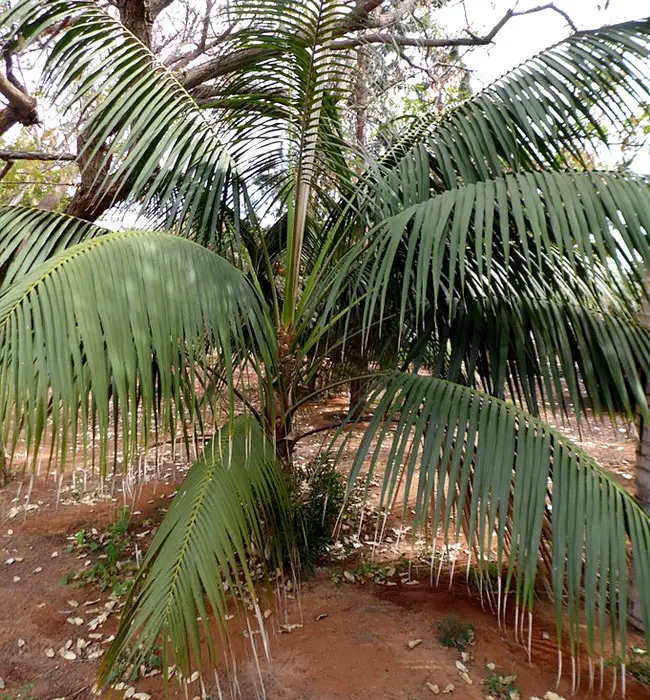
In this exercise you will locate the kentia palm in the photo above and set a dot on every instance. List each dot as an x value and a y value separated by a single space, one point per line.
482 249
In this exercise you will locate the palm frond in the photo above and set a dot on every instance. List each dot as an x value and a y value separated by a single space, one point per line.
160 145
109 332
586 218
522 495
542 114
545 111
229 518
540 334
28 237
308 71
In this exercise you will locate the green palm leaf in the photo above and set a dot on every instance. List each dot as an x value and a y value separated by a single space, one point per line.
542 113
229 516
596 217
520 493
119 324
162 148
28 237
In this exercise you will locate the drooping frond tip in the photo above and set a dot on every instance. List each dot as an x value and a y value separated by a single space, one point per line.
523 498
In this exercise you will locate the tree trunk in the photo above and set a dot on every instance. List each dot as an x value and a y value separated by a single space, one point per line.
4 470
361 99
642 472
136 16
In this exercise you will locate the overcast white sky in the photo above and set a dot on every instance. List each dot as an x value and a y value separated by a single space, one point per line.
524 36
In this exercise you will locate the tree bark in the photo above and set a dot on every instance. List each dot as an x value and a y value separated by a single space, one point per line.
361 99
85 204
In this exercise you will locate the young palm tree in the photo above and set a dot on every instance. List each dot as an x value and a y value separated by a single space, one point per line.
479 272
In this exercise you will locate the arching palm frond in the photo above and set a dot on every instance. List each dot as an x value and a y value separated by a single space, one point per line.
520 493
229 518
542 113
116 325
150 135
28 237
597 216
525 242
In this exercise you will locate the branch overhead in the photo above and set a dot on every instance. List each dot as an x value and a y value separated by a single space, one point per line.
9 155
352 33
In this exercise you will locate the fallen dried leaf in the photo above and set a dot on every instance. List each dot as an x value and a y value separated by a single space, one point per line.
414 643
289 628
434 688
322 616
466 678
461 667
38 570
50 653
67 654
449 688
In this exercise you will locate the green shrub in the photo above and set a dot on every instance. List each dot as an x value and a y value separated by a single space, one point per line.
452 633
319 496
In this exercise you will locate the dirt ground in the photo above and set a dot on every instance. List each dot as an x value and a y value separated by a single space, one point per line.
353 641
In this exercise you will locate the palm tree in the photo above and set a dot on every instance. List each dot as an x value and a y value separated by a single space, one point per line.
481 270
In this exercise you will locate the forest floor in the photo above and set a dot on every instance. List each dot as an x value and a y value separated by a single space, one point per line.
348 636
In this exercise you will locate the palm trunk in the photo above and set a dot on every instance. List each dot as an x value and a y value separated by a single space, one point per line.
642 473
4 470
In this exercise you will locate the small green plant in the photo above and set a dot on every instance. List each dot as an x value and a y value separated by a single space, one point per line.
319 495
452 633
499 687
109 570
25 693
371 571
639 665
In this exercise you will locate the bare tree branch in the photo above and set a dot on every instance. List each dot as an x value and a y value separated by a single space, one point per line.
9 155
549 6
156 7
425 42
5 171
22 106
356 21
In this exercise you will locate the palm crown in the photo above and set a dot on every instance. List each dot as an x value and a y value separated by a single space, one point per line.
477 270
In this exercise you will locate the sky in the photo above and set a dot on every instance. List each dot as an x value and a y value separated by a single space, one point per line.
524 36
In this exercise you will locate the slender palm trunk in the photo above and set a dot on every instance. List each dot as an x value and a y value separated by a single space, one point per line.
4 471
642 471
